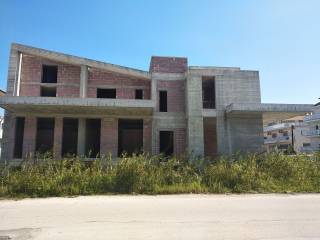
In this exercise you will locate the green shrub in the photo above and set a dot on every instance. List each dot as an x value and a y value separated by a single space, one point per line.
43 176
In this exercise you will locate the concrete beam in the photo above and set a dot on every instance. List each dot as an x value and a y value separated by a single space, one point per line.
69 59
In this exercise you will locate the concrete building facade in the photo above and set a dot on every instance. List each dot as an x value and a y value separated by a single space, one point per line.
71 105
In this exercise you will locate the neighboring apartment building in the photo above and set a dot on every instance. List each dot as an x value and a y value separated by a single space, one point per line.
72 105
313 133
1 132
278 135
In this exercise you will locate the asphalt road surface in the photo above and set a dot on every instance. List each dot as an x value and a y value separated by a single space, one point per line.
163 217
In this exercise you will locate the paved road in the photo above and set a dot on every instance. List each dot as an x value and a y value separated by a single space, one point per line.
163 217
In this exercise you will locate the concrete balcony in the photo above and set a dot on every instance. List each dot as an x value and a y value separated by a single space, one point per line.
282 126
277 140
308 149
78 106
311 133
313 117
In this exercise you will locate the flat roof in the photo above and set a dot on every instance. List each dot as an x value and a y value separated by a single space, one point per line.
270 111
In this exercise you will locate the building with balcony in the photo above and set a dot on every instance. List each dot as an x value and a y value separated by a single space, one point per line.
313 133
72 105
285 134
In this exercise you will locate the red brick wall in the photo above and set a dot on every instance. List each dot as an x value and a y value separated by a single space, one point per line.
68 74
210 137
124 84
109 137
29 137
168 64
68 78
175 94
180 136
30 73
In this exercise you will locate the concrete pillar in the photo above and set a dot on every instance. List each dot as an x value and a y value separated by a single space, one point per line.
83 81
29 137
147 135
109 137
195 138
81 137
7 144
58 131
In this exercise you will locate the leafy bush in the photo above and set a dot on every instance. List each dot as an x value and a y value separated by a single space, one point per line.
44 176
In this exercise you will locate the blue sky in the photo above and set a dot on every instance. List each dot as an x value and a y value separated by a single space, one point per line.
280 38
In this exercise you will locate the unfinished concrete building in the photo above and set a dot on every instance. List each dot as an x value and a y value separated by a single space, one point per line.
71 105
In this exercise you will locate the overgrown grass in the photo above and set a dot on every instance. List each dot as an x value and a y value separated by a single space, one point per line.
152 175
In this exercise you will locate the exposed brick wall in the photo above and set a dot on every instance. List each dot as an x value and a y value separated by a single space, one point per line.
109 137
68 77
58 131
125 85
31 69
180 136
175 94
29 138
68 74
210 137
147 135
30 90
168 64
68 91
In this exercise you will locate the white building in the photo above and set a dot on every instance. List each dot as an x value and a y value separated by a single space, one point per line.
278 135
313 133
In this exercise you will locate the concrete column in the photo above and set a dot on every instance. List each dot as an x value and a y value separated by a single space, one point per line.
81 137
83 81
195 138
147 135
109 137
7 144
58 131
29 137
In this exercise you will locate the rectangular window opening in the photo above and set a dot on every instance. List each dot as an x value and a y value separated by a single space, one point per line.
208 92
45 135
18 138
93 127
70 137
166 143
163 101
139 94
106 93
48 91
49 74
130 136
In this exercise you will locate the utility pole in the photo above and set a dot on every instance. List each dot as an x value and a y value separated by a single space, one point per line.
292 138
